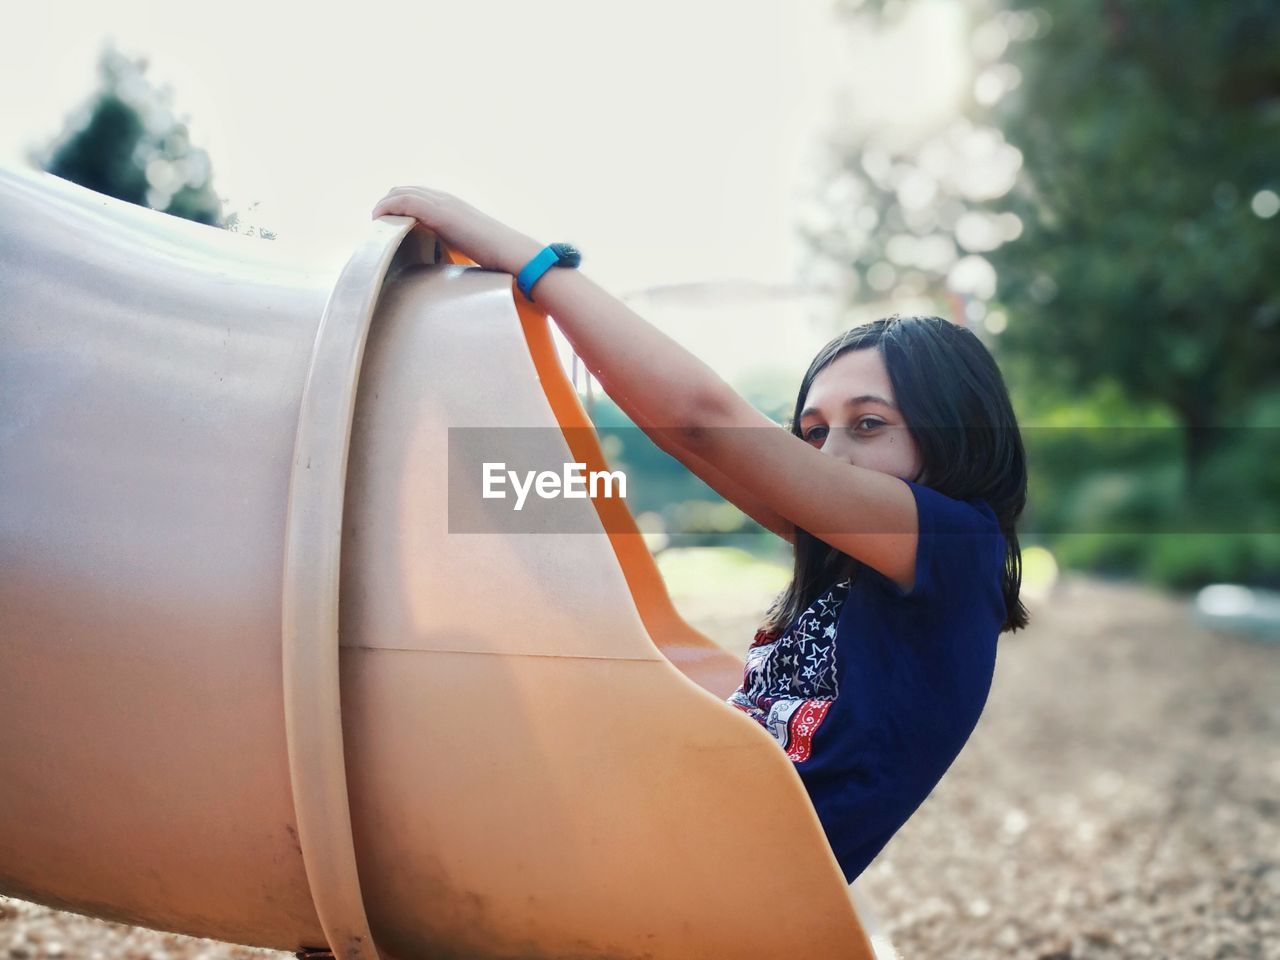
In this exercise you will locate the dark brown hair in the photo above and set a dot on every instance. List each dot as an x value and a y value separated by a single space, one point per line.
957 409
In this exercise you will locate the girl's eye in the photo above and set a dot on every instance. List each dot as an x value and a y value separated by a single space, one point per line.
814 435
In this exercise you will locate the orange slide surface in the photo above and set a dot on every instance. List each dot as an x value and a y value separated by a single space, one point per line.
257 684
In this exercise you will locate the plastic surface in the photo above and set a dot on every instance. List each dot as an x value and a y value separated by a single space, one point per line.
535 751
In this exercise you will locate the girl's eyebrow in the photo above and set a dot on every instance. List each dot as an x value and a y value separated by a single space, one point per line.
852 402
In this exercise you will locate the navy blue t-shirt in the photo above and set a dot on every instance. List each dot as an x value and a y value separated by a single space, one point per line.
873 691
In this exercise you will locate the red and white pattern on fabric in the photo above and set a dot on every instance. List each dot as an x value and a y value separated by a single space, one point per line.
764 636
804 723
790 678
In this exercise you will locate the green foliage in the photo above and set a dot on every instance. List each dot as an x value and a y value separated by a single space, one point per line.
1146 133
1141 520
1100 463
1184 561
1106 206
126 143
1113 172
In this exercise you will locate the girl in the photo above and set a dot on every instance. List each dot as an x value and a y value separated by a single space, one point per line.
899 484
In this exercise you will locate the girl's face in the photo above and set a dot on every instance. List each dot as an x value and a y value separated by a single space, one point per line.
840 418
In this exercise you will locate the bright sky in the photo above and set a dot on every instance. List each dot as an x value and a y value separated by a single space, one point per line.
672 142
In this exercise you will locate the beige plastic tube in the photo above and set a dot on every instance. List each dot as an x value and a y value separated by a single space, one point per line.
253 688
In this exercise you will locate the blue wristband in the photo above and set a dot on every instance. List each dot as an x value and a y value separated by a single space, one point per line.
552 255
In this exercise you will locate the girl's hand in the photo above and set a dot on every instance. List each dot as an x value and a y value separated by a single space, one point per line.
491 244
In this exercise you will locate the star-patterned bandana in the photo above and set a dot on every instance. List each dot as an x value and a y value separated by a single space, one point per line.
789 681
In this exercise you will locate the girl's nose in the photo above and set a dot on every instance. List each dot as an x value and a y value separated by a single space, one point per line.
835 445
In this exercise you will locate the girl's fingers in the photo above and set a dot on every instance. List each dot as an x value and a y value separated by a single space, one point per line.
387 205
401 205
425 194
421 202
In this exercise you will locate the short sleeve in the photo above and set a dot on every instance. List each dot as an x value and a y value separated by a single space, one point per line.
958 540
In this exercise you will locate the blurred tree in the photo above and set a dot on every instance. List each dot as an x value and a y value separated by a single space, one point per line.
1115 168
126 143
1149 247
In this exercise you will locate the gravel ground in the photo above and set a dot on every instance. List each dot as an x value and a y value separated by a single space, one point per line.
1119 798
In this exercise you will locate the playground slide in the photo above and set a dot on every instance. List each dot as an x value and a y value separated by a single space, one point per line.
254 688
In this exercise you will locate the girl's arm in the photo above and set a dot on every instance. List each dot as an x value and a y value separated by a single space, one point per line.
673 383
870 516
659 383
638 387
753 507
